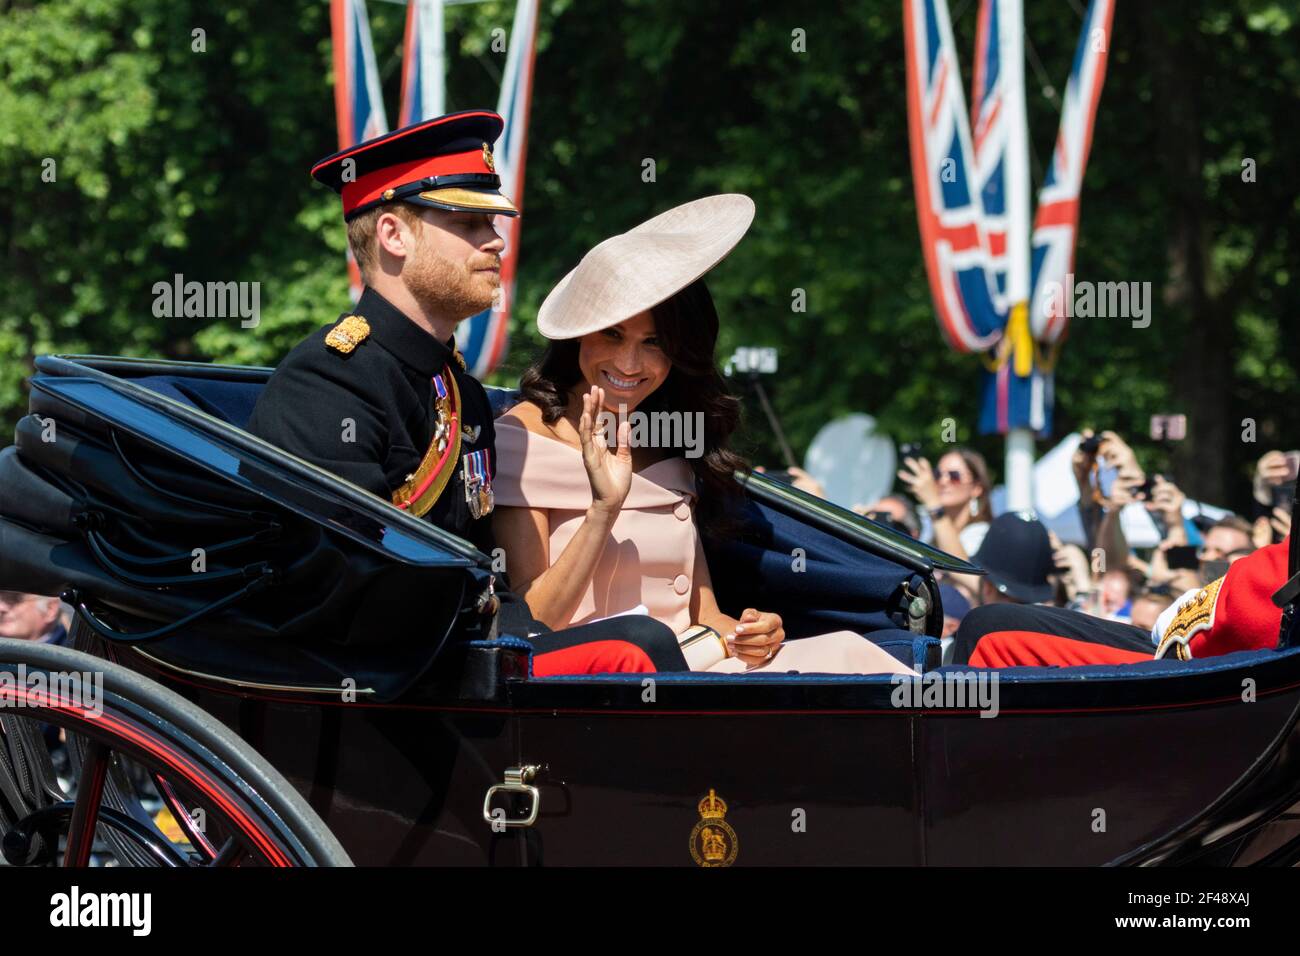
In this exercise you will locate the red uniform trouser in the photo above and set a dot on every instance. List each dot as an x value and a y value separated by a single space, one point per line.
634 644
1029 635
630 644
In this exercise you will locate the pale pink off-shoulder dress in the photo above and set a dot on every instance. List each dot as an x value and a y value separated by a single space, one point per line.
654 551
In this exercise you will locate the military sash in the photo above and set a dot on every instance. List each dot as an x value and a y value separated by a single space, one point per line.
423 486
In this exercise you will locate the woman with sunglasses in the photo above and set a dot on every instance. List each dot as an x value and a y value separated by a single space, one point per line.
956 495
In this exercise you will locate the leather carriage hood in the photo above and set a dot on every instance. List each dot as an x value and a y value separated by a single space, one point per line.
142 538
25 498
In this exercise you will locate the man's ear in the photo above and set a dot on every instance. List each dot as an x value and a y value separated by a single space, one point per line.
50 615
394 235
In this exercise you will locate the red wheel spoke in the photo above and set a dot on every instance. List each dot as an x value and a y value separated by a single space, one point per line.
85 812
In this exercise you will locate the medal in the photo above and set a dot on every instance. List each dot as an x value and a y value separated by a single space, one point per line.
442 405
471 487
478 484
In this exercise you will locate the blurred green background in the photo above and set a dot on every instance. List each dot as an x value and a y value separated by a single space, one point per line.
170 161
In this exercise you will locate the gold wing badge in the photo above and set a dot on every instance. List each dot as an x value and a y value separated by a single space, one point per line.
713 841
351 331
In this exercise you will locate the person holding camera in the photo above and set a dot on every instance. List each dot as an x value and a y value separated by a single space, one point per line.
956 495
1173 562
1274 491
1099 508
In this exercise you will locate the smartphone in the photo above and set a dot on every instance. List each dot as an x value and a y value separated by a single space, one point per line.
1182 558
888 520
1144 491
909 449
1293 466
1106 475
1168 427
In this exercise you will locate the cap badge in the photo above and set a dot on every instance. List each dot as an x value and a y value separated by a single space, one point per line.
351 331
487 158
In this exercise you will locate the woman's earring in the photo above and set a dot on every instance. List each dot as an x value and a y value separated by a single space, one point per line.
974 507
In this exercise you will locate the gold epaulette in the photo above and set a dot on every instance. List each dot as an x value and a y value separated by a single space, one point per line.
351 331
1194 616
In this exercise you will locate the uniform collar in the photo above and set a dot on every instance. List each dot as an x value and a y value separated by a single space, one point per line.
410 344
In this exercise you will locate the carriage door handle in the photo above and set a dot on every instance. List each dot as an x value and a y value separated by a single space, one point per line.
517 780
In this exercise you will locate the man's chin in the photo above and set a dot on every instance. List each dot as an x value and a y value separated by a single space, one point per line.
489 288
483 306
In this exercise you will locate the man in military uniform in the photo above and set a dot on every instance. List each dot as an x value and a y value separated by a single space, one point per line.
382 397
1234 613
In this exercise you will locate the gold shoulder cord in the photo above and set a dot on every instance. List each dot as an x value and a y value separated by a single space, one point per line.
402 497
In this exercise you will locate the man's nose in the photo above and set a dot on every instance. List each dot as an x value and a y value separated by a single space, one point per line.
495 243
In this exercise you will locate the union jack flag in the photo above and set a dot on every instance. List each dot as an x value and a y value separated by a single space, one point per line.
988 122
423 69
358 100
960 178
1056 222
949 206
486 335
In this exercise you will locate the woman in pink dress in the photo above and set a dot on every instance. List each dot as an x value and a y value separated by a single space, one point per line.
619 454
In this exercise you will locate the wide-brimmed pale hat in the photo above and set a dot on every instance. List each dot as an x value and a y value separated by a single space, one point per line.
638 269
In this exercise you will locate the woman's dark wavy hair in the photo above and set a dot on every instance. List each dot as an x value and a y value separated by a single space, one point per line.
687 328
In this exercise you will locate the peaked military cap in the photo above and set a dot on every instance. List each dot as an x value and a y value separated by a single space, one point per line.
444 163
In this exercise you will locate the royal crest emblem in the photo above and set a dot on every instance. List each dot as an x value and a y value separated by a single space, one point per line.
713 841
487 158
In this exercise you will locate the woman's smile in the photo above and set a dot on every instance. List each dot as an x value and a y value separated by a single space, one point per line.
619 384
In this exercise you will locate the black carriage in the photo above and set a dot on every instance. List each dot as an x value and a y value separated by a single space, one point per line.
307 667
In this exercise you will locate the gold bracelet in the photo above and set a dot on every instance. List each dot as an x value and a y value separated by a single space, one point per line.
690 639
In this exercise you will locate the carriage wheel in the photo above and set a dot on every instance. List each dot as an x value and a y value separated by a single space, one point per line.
125 734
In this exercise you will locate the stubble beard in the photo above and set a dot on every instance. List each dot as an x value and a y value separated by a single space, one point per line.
446 287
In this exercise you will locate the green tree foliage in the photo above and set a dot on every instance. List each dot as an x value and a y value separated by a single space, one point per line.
168 159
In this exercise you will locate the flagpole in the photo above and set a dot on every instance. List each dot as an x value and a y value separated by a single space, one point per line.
1019 460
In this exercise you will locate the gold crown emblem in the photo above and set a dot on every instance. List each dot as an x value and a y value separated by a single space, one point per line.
713 807
713 845
713 841
487 158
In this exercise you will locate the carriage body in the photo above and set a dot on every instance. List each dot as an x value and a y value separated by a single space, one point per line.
363 674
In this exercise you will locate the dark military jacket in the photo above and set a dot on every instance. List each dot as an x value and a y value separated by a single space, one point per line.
368 415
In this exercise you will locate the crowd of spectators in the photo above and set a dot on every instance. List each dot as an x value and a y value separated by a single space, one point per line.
1104 576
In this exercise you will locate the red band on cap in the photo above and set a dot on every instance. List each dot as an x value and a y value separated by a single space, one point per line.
371 186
